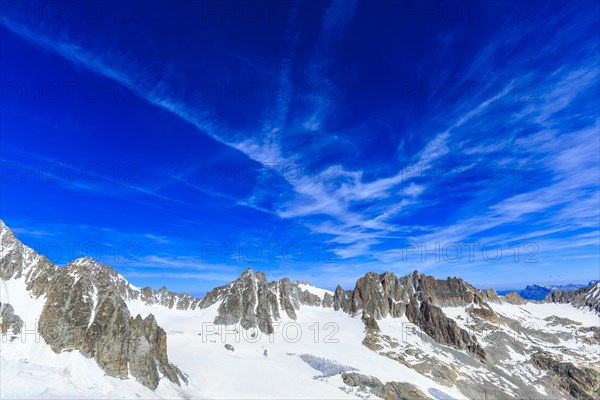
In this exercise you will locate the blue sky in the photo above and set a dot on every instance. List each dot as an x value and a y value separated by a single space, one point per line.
182 142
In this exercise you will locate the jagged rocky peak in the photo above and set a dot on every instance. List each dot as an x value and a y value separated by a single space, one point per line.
17 261
490 295
420 297
92 269
85 310
85 262
253 302
380 295
513 298
166 298
162 296
377 296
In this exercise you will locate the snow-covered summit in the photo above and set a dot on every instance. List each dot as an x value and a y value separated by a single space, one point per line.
85 262
81 307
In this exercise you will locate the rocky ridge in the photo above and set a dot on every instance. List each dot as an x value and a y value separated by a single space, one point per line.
18 261
579 382
419 297
165 298
85 310
585 297
253 302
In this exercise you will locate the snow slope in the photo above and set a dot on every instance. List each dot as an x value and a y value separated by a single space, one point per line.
303 358
261 366
293 362
296 361
197 347
30 369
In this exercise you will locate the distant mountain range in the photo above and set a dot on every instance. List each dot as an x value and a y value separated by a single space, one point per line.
84 331
536 292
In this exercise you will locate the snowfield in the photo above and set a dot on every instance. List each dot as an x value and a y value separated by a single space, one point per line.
302 359
197 347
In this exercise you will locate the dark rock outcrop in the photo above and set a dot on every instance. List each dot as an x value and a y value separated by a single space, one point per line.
84 311
399 391
490 295
386 294
327 300
579 382
387 391
513 298
147 353
19 261
420 298
253 302
9 320
360 380
442 329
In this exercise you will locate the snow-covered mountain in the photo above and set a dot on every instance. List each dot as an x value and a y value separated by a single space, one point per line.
84 331
587 297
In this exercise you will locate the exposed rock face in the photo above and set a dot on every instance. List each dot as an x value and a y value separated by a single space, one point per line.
248 301
147 353
399 391
472 346
253 302
360 380
442 329
85 311
388 391
586 297
8 319
327 300
385 294
162 297
581 383
375 295
310 299
420 298
165 298
513 298
440 373
490 295
593 340
19 261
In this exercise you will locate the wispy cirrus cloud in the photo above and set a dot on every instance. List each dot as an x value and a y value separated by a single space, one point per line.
371 208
